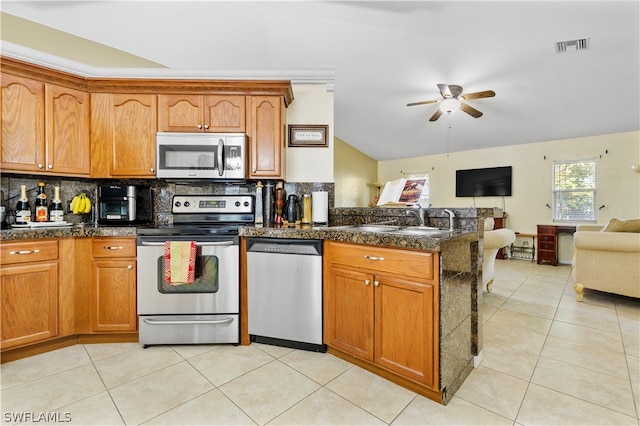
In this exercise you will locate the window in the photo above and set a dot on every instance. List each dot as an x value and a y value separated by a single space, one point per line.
574 191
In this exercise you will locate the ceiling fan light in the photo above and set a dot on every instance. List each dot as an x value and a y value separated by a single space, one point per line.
450 105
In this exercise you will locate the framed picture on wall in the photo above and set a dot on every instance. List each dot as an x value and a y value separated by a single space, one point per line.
308 135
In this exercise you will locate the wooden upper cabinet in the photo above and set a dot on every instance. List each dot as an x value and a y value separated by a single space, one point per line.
123 135
67 131
22 124
45 128
266 137
201 113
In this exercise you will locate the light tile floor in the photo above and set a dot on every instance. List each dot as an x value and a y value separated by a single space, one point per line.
547 359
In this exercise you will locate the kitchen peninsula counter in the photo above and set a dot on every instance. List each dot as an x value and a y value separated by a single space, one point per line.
459 336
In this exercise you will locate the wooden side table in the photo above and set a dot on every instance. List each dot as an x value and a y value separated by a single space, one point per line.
548 241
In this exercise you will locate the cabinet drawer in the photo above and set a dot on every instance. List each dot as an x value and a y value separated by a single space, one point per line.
113 247
396 261
547 230
547 246
28 251
547 238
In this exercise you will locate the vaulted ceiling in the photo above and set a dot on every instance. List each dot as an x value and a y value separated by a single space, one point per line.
383 55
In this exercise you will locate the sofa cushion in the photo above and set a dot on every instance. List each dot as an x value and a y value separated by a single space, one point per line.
616 225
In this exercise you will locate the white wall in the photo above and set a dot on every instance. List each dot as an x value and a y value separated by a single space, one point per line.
618 187
312 104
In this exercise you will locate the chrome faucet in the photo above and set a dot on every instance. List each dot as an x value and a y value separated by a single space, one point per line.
419 213
451 216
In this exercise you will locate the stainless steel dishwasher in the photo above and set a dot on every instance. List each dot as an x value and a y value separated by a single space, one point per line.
284 292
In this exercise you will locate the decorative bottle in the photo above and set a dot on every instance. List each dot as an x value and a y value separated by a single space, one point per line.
42 210
23 208
56 212
279 204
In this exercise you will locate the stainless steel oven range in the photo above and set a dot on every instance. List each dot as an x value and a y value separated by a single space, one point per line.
206 311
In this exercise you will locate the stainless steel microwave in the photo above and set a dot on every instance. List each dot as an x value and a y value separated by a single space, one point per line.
201 155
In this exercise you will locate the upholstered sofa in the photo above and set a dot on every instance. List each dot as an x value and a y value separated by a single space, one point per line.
606 259
494 240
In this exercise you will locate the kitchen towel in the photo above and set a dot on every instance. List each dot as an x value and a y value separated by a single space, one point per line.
179 262
320 207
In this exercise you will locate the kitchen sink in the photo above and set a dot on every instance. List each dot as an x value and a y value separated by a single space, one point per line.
367 228
375 228
396 229
420 230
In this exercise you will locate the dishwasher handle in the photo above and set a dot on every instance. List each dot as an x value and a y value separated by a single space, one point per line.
291 246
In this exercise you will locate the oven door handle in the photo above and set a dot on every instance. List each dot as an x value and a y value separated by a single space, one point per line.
198 243
187 322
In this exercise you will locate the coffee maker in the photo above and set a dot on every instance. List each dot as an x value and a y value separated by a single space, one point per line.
124 204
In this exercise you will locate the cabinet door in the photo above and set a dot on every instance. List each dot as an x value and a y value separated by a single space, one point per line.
266 137
180 113
405 328
123 135
225 113
348 301
67 126
113 297
29 297
22 104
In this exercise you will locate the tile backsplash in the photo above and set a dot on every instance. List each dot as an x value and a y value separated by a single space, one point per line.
162 192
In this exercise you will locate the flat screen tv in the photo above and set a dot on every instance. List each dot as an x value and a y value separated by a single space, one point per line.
488 182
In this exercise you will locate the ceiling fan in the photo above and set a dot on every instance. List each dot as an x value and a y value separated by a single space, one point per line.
453 99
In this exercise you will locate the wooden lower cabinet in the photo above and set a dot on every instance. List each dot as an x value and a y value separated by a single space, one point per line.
29 292
113 285
106 285
381 306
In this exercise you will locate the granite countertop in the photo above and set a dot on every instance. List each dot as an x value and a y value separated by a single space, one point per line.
67 231
387 239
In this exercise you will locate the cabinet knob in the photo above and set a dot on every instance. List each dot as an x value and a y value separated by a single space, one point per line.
50 166
367 282
40 165
253 170
129 267
376 283
199 126
152 170
206 126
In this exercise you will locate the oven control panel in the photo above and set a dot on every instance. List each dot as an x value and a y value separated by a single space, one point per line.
212 204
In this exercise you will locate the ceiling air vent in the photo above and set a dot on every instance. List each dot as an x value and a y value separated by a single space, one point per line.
572 45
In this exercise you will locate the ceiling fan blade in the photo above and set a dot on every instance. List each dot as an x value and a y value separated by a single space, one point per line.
423 102
470 110
436 115
455 90
479 95
444 90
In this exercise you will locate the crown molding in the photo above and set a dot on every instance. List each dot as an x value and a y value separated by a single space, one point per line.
297 76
